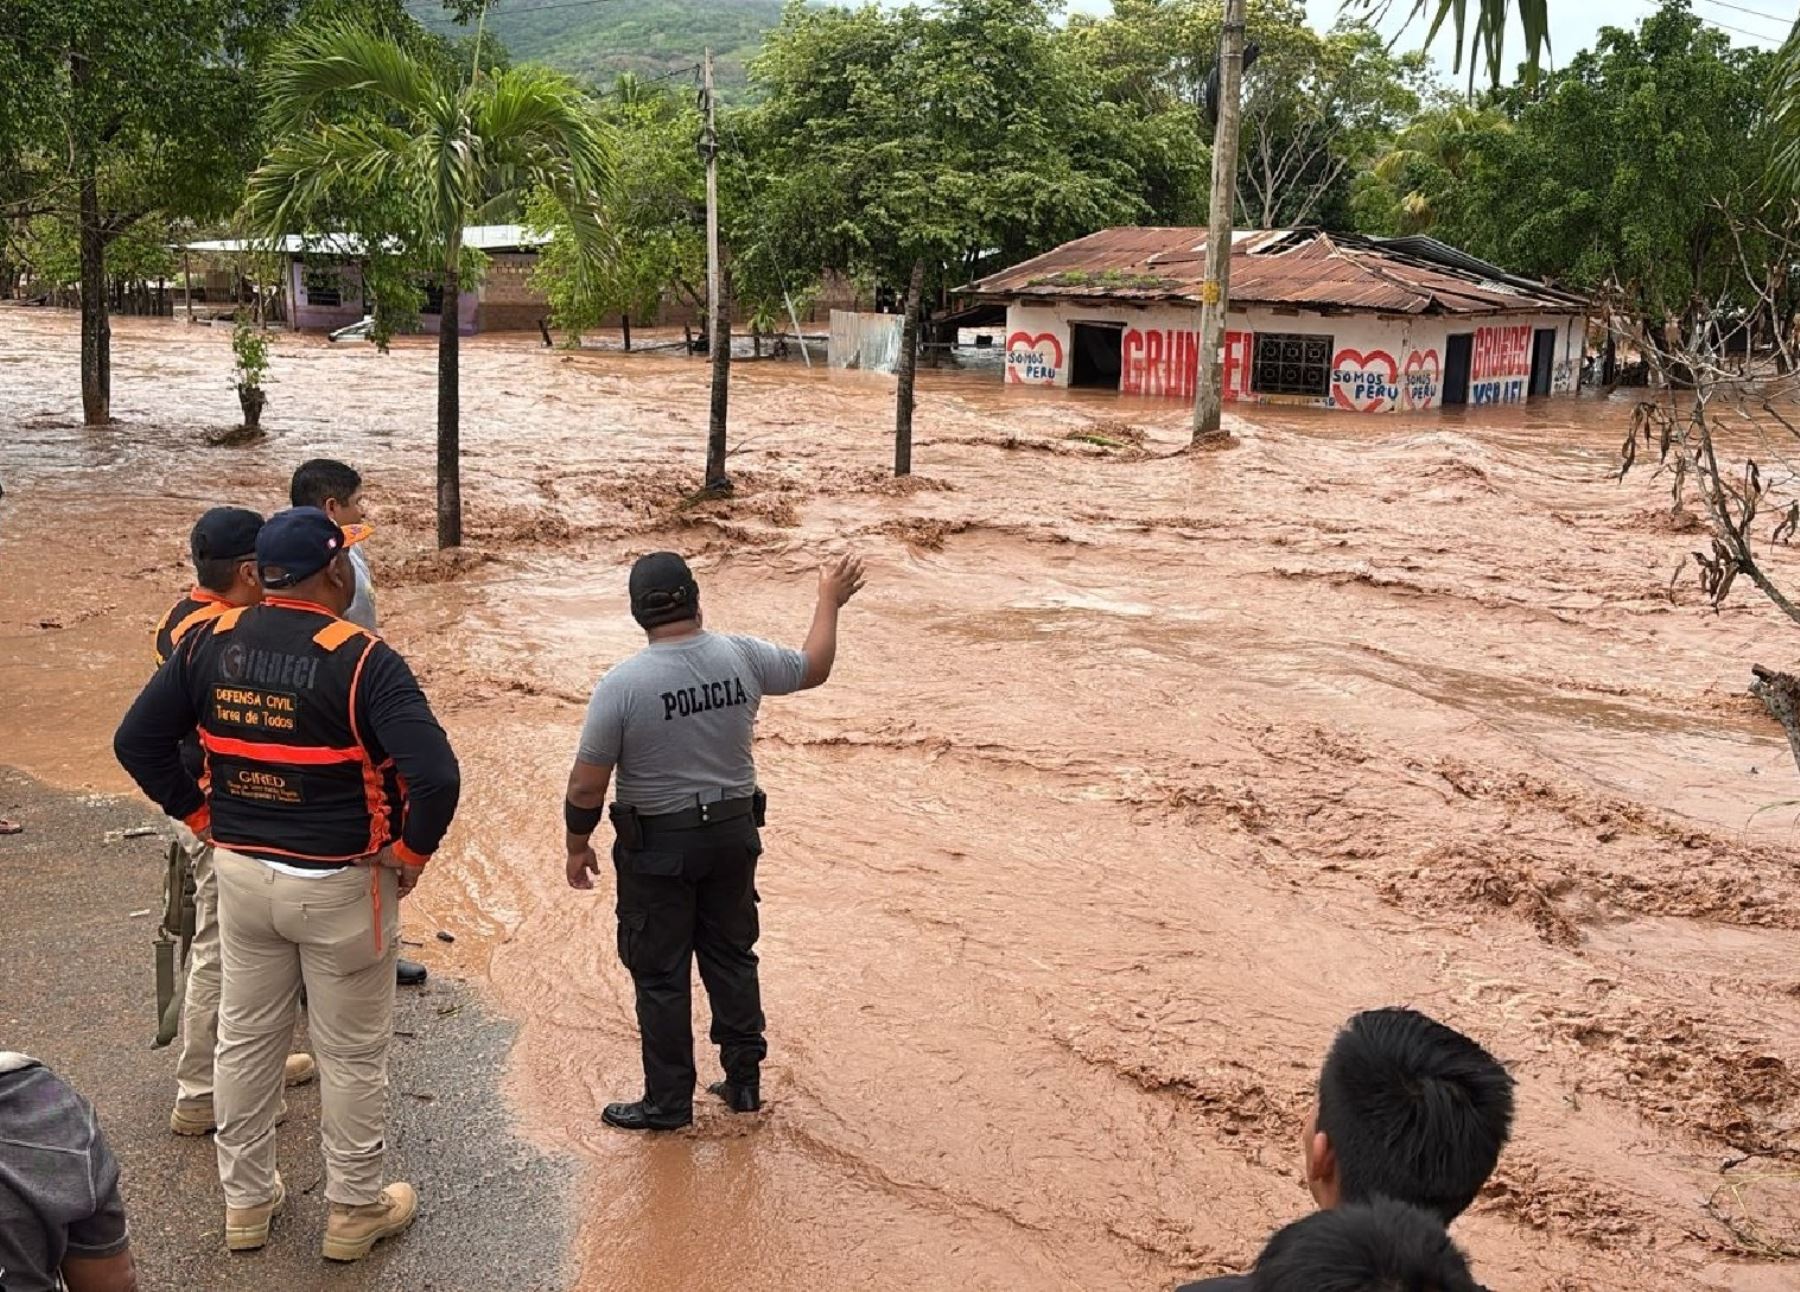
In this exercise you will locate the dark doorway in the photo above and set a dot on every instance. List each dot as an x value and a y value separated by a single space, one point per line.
1543 360
1098 358
1459 352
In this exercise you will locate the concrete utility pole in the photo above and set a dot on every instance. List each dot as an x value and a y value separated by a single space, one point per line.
718 329
1209 392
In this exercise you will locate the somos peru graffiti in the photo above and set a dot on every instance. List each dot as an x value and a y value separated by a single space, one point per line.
1373 382
1165 361
1500 366
1033 360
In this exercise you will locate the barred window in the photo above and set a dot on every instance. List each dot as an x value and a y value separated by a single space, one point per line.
1289 363
324 287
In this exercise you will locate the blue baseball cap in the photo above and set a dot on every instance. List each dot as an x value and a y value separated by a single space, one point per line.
296 544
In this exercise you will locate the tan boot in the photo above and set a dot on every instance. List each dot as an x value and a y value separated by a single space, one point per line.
300 1069
196 1116
247 1228
350 1232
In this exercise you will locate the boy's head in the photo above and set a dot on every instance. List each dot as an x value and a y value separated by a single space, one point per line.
223 545
1386 1246
1408 1109
333 487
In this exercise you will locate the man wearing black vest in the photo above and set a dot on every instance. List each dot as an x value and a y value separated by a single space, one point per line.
331 784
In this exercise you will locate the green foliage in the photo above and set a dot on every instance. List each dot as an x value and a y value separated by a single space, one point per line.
1784 114
1481 42
645 37
959 135
250 347
1634 165
655 216
390 143
1316 107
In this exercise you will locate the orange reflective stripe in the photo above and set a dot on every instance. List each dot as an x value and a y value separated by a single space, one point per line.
228 620
336 633
199 616
261 752
374 793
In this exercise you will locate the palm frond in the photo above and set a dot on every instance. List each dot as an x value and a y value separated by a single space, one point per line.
345 58
1784 114
1484 43
529 113
333 165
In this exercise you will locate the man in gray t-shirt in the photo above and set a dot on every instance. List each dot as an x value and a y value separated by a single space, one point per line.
674 723
61 1221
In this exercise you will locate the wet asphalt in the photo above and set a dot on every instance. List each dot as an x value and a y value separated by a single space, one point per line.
78 910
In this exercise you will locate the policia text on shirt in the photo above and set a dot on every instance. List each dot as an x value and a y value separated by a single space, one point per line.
675 722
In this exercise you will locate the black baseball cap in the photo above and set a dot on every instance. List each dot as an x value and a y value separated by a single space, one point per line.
663 590
297 543
225 534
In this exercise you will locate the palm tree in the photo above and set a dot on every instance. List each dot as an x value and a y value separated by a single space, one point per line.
1437 145
1486 39
1784 106
363 122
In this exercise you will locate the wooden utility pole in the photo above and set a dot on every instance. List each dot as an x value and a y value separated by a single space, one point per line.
187 282
718 331
1215 292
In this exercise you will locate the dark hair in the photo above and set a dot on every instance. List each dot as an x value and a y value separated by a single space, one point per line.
218 573
1415 1111
323 478
1385 1246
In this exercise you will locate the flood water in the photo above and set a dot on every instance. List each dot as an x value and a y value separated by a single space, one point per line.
1138 775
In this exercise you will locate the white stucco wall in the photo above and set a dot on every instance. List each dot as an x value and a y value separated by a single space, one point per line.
1380 363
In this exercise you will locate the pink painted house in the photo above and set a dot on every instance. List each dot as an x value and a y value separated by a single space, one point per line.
1367 325
324 284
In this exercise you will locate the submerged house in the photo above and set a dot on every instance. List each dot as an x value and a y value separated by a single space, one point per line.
1369 325
323 281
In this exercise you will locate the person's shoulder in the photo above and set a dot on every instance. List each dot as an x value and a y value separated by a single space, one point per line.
41 1110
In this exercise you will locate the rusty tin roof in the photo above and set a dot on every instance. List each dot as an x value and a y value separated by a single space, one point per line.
1292 267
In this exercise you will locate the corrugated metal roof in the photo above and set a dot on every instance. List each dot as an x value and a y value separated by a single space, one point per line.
482 237
1295 267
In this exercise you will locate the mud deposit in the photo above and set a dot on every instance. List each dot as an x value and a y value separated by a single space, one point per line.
1139 775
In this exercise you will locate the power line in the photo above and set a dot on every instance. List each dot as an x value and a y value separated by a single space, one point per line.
1754 13
1725 26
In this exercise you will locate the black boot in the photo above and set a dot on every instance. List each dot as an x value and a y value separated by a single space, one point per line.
643 1116
409 973
740 1097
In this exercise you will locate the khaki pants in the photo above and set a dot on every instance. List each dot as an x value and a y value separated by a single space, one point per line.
276 931
200 998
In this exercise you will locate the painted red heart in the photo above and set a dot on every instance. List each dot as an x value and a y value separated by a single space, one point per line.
1025 343
1421 364
1356 361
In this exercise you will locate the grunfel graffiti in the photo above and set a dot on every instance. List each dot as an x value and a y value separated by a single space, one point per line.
1166 362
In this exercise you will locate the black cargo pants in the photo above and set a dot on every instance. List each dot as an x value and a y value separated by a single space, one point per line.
690 894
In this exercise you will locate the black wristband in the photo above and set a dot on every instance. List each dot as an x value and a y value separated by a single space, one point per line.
581 821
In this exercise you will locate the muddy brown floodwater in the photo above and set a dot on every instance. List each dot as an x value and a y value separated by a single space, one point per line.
1137 776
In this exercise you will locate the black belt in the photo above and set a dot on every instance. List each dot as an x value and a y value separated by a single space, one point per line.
705 814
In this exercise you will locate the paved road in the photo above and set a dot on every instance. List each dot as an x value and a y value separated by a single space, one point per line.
77 991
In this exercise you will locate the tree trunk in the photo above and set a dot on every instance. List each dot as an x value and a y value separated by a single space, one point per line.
716 479
449 428
96 330
625 327
908 370
251 399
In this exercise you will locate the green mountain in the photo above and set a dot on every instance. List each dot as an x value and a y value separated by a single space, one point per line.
598 39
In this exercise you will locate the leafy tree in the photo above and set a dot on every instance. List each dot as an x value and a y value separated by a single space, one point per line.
914 144
1316 108
122 110
418 151
655 215
1425 176
1631 168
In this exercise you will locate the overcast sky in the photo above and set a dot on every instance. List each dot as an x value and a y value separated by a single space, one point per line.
1572 23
